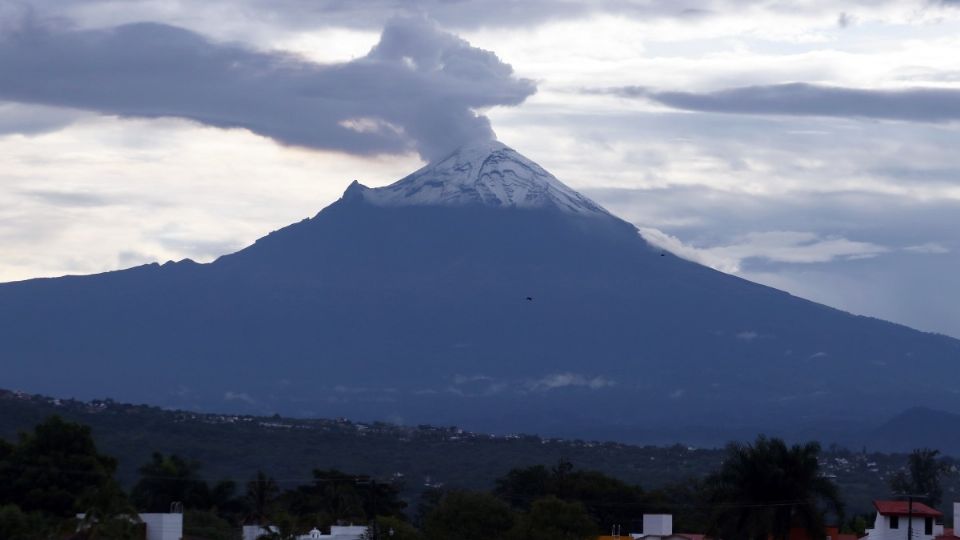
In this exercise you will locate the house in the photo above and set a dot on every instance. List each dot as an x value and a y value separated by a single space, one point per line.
337 532
159 526
655 527
895 518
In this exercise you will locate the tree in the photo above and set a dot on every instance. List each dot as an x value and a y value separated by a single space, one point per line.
168 479
608 500
109 515
469 516
51 468
392 528
553 519
336 496
925 471
15 524
207 525
261 494
764 489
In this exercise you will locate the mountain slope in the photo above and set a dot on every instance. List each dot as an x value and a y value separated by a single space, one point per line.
478 291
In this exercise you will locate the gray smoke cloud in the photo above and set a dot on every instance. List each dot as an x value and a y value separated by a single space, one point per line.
801 99
418 89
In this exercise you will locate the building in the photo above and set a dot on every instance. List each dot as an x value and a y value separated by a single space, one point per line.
655 527
895 518
165 526
951 534
337 532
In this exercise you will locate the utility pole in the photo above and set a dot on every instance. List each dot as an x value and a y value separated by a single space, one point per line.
909 517
910 497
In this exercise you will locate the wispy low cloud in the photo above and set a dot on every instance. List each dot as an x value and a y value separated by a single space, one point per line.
418 89
929 248
568 380
801 99
483 385
773 246
238 396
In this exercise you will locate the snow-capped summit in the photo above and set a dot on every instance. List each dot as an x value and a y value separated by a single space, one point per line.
485 172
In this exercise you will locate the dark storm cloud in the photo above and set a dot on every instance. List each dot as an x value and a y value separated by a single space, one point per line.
460 14
417 88
453 13
800 99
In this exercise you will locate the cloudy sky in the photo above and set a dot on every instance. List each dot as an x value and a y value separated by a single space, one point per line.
811 146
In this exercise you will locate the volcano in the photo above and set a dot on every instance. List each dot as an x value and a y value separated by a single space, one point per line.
478 291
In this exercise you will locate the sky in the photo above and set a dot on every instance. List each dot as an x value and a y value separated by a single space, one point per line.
810 146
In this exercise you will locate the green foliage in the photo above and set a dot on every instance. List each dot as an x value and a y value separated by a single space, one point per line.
469 516
858 525
49 469
260 498
207 525
238 446
336 496
609 500
554 519
393 528
15 524
764 489
168 479
922 477
284 527
109 515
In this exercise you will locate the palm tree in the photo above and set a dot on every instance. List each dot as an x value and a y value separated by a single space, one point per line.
763 490
261 491
924 475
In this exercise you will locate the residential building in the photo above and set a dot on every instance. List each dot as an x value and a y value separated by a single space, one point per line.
895 518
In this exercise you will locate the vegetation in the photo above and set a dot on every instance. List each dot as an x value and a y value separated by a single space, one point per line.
417 457
922 476
755 491
766 488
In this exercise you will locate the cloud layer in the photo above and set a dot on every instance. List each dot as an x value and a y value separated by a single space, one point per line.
801 99
418 89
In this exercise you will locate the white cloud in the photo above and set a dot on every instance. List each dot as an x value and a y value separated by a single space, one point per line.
930 248
775 246
565 380
238 396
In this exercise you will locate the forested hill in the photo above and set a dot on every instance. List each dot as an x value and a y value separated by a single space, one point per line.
235 447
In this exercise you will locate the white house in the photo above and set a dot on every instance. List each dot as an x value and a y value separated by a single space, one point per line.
894 520
166 526
337 532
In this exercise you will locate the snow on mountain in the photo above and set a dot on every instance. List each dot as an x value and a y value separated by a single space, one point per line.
478 291
484 172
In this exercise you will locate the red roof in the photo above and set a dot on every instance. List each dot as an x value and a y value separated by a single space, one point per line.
901 508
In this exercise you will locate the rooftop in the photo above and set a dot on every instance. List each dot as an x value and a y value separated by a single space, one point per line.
902 508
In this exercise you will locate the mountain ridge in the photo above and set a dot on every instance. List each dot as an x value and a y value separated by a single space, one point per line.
469 311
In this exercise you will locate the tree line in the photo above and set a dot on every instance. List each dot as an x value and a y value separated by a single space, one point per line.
761 491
